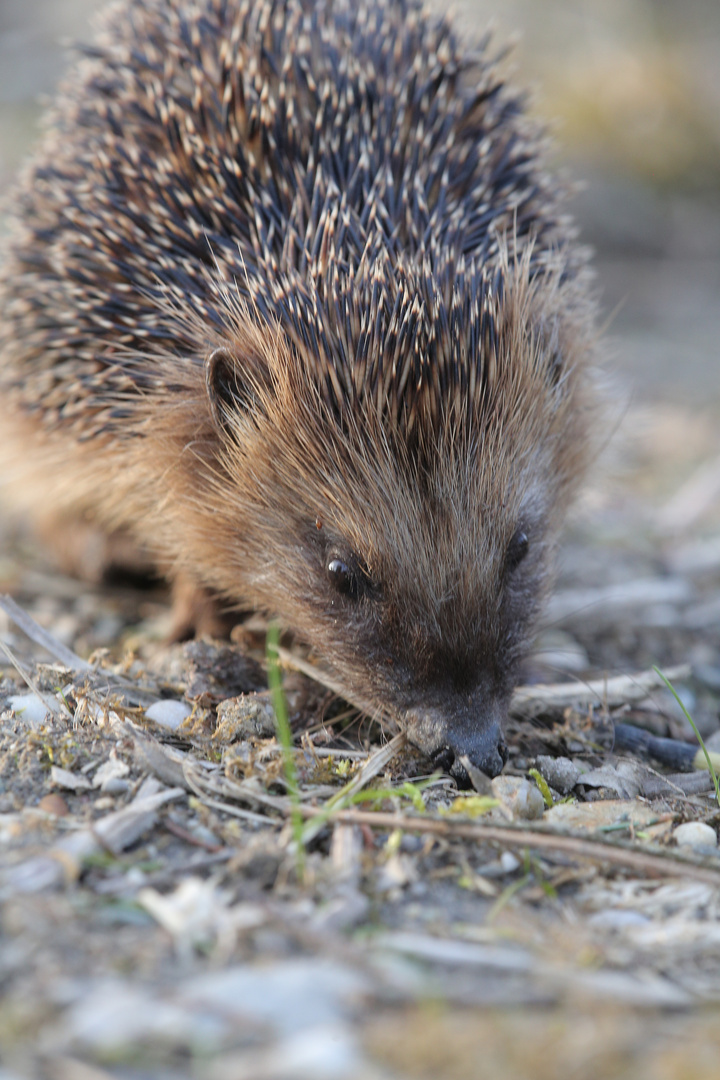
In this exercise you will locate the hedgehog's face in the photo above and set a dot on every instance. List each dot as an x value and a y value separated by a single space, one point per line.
429 614
445 664
414 561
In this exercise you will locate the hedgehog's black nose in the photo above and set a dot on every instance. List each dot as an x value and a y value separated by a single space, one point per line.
471 732
491 764
484 748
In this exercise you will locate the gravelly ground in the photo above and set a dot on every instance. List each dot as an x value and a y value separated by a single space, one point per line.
177 941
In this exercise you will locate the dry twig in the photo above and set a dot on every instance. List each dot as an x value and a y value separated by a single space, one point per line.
599 851
531 701
43 637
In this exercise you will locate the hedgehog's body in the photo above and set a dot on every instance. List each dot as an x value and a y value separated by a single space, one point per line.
288 298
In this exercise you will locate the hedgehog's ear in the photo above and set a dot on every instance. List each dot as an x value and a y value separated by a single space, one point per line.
232 387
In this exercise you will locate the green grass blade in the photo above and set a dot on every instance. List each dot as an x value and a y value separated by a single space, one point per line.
285 739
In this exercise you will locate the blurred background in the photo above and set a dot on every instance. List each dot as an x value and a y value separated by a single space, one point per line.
631 89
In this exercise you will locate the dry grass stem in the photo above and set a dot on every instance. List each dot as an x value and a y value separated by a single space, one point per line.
530 701
599 851
42 637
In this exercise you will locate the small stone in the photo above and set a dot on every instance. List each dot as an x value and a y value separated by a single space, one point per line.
169 714
695 834
105 802
245 717
509 863
54 804
561 773
521 799
29 707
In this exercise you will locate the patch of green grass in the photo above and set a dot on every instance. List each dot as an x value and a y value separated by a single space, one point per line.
472 806
408 790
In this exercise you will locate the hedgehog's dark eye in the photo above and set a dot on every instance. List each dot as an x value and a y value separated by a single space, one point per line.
343 578
517 550
346 578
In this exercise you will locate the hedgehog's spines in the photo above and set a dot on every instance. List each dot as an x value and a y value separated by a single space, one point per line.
362 198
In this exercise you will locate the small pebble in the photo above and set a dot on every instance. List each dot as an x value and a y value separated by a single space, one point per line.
105 802
561 773
695 834
169 714
523 800
29 707
54 804
245 717
557 650
509 863
497 869
411 844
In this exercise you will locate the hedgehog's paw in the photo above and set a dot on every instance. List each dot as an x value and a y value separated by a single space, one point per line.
198 612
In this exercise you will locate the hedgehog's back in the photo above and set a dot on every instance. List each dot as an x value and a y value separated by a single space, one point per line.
261 145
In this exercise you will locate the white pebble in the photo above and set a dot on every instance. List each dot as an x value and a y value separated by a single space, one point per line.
695 834
29 707
509 862
169 714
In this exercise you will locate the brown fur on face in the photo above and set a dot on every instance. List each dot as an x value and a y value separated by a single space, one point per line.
304 317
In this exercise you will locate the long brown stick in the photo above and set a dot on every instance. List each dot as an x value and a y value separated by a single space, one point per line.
597 850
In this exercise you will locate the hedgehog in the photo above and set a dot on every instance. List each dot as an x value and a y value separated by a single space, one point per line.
291 301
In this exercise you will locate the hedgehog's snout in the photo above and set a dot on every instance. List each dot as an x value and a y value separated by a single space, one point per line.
485 749
473 732
488 753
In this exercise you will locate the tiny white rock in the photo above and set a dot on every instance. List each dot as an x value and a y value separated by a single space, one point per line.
29 707
169 714
695 834
509 863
